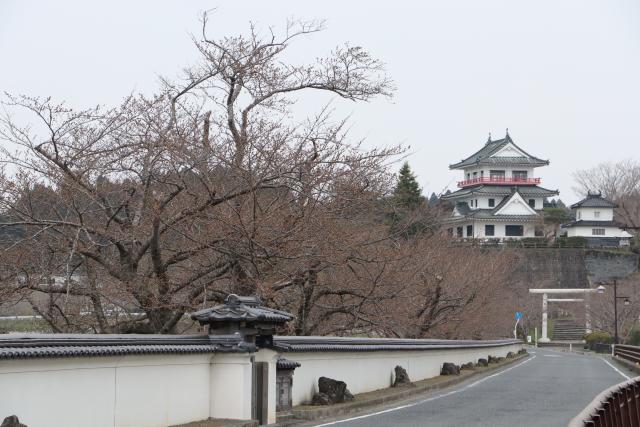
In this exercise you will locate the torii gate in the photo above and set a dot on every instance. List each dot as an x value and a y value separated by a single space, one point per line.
546 301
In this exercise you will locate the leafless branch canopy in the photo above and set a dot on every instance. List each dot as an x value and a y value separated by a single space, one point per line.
123 219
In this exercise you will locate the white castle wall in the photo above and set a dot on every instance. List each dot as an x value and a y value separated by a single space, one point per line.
164 390
125 391
374 370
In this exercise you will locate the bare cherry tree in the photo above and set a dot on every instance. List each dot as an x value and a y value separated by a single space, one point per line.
124 218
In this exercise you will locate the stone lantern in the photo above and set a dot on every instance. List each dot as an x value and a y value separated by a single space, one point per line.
244 316
284 383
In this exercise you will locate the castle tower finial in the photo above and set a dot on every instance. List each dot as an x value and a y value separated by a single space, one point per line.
489 140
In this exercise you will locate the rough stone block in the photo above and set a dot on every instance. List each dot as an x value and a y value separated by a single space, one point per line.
450 369
402 377
12 421
331 391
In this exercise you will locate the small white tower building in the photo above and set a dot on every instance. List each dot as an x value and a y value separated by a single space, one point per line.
594 221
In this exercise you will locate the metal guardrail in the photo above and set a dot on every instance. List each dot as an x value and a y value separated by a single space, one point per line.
627 352
616 406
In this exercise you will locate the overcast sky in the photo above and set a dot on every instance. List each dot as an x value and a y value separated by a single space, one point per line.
563 76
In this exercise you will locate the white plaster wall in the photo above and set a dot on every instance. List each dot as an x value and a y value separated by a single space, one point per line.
588 214
231 378
539 202
483 202
368 371
157 392
162 390
124 391
59 392
499 230
587 232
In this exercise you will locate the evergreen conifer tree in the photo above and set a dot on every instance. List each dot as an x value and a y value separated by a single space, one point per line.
407 192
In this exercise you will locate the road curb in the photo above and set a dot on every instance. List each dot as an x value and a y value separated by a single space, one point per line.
314 413
627 364
220 423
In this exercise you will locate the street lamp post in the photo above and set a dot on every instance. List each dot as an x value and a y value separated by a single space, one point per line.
616 338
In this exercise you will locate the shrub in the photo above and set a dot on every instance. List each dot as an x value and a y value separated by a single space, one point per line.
492 241
634 337
512 243
571 242
598 337
535 242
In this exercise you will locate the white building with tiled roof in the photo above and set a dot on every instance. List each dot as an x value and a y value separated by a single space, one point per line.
499 195
594 221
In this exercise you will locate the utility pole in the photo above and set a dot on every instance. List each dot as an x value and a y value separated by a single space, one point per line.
615 309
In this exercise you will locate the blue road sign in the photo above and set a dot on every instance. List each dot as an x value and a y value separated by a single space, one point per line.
518 315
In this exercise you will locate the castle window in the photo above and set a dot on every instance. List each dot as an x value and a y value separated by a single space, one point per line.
597 231
596 214
519 175
489 230
532 203
469 230
496 175
514 230
492 203
459 231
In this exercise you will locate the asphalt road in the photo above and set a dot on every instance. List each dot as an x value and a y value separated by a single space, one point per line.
546 389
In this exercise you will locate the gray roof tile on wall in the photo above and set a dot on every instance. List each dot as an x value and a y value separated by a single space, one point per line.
317 344
14 346
101 350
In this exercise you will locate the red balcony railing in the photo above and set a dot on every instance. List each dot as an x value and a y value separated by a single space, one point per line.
499 181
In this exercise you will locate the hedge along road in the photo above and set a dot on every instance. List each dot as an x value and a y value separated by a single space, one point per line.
547 389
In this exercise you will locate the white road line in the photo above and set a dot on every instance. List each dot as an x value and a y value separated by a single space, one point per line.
429 399
616 369
551 355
